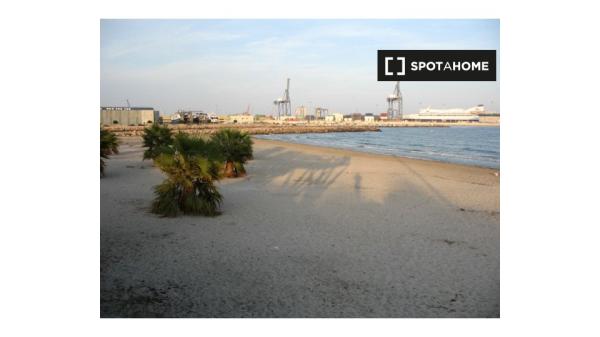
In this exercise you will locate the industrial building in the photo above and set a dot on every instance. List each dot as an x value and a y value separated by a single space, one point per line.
128 115
321 112
301 112
191 116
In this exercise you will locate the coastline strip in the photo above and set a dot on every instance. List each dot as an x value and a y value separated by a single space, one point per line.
365 154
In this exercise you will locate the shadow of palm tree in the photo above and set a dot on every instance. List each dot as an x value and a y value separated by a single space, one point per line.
293 172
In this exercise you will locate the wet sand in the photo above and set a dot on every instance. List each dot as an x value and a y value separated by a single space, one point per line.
310 232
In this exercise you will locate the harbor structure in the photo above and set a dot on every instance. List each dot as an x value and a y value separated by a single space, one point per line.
321 112
284 104
395 103
301 112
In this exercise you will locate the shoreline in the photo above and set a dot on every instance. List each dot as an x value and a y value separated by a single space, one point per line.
378 155
352 152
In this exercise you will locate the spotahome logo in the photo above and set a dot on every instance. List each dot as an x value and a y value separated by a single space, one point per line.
436 65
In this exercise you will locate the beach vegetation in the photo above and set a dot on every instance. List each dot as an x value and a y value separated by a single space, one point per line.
157 139
235 148
109 144
192 167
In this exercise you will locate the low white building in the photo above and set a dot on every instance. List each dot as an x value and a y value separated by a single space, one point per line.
369 118
242 119
338 117
335 117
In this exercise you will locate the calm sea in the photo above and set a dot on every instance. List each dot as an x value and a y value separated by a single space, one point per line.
468 145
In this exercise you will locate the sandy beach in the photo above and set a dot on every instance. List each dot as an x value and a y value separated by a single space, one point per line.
310 232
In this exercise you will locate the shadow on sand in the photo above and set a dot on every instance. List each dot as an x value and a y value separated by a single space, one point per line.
400 249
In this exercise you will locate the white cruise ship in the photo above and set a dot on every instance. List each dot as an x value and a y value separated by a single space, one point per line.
447 115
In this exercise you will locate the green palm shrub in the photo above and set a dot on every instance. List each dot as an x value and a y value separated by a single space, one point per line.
191 171
109 144
157 139
235 148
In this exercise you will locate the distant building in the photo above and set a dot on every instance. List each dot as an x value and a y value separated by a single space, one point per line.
321 112
176 118
383 116
201 117
338 117
128 115
335 118
301 111
369 118
165 119
347 118
357 116
447 115
191 116
242 119
213 117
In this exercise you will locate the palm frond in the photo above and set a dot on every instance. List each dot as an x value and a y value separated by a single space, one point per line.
166 201
235 148
191 173
109 144
157 140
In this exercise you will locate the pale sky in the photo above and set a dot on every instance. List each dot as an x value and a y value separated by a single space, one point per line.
226 65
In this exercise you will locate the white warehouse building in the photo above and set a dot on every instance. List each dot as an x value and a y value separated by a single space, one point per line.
128 116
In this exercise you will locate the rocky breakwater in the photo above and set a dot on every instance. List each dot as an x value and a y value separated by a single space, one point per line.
253 129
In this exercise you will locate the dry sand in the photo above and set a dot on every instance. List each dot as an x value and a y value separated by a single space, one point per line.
310 232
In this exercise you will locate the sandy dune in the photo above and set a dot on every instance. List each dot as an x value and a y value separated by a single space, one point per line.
310 232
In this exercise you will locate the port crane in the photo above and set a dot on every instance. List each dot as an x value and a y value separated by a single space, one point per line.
395 103
284 104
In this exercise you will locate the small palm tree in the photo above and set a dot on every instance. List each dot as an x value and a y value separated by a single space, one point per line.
109 144
191 173
157 139
236 149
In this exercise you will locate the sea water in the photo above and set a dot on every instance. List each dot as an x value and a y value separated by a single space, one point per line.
469 145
